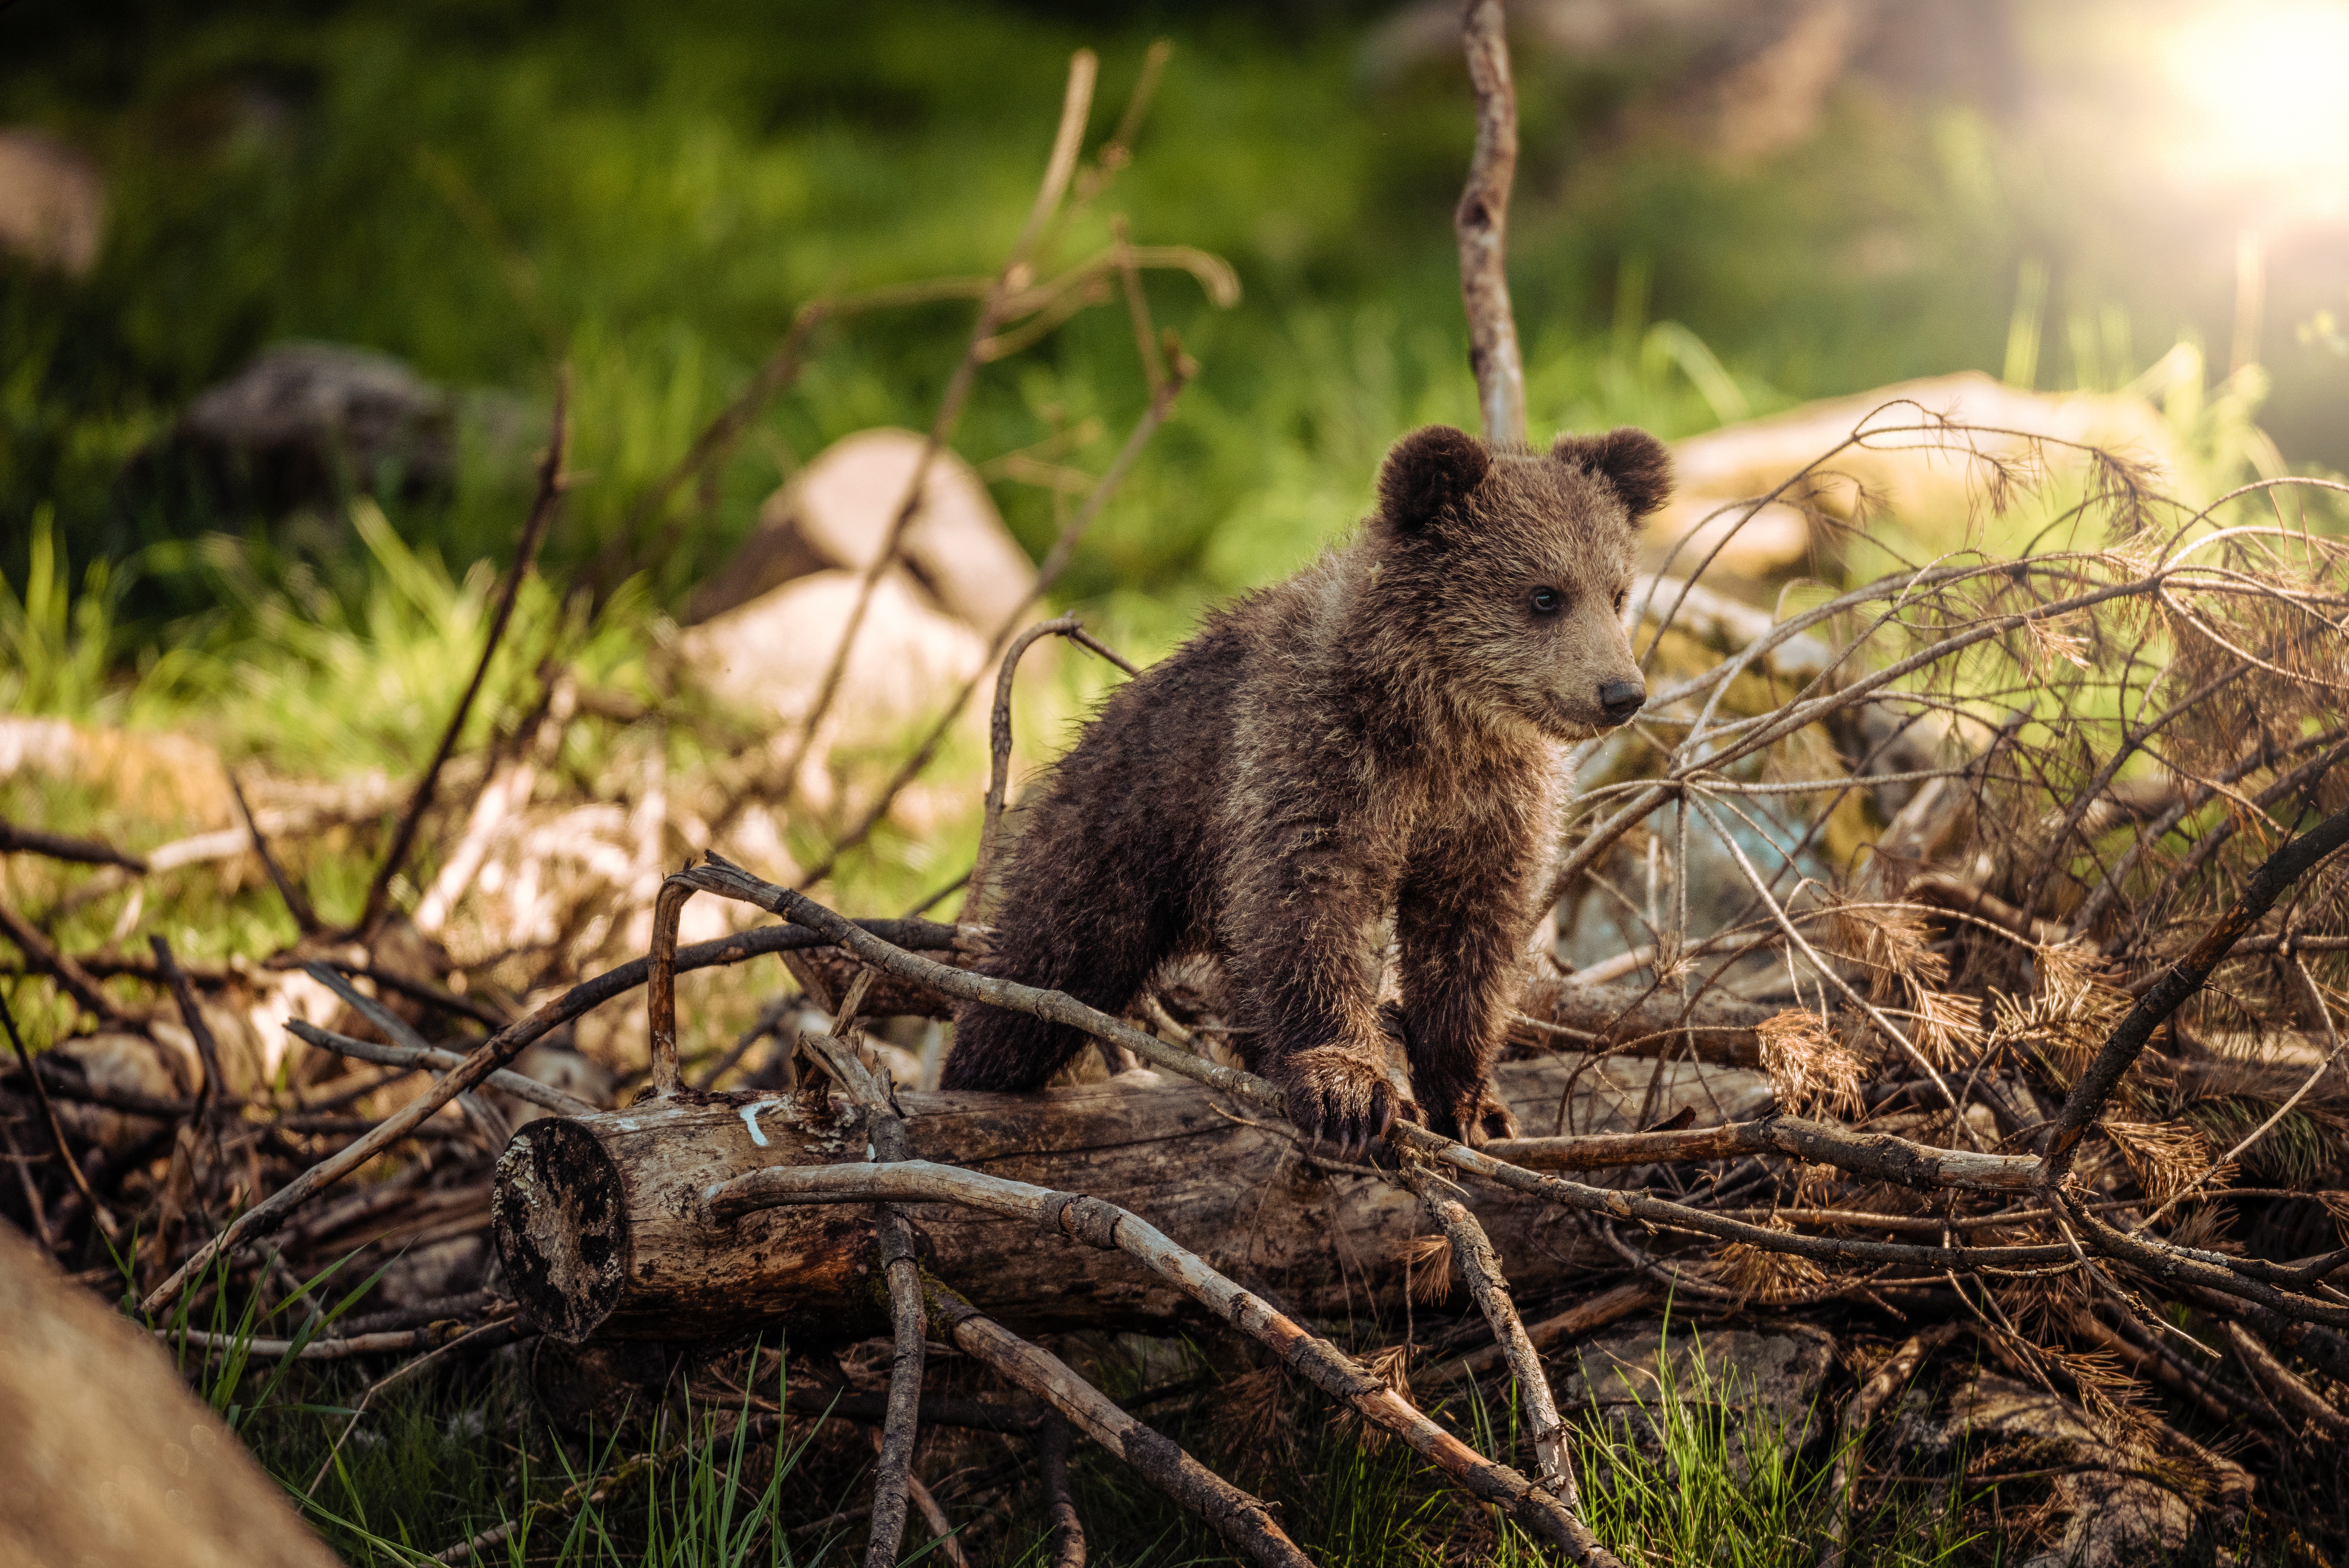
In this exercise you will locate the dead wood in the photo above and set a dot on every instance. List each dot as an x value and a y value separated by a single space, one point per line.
1481 224
533 534
1584 1317
58 847
297 903
2183 978
2288 1385
1472 1256
98 1210
43 954
595 1241
1244 1522
1880 1386
1067 1544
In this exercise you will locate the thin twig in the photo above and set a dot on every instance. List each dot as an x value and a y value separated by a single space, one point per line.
2310 997
488 1337
99 1213
58 847
1105 1225
1885 1382
43 954
1472 1253
297 903
1067 1544
431 1058
1055 562
2183 978
1075 103
191 1013
2287 1383
999 770
533 534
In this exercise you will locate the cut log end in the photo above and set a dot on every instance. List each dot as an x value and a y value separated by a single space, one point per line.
558 1213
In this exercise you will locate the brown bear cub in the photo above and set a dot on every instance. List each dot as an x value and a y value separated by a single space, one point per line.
1384 732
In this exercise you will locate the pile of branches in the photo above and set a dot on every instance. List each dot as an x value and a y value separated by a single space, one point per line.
2016 874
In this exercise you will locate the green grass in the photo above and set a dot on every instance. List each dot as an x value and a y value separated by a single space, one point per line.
452 1455
487 191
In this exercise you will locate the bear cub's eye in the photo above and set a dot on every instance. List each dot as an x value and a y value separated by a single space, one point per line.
1548 601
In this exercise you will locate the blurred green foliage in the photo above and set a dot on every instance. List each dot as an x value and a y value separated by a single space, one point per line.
485 188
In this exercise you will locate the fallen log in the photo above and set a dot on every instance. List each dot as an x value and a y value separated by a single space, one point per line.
1639 1020
601 1224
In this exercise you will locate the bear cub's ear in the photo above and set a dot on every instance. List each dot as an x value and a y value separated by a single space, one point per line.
1426 472
1631 460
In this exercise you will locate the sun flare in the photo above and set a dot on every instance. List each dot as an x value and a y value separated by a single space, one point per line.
2266 91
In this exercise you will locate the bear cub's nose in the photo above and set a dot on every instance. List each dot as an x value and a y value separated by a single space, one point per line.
1622 699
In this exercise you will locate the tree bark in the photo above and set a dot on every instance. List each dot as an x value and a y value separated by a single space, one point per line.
600 1223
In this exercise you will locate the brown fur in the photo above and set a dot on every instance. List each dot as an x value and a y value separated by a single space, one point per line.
1384 731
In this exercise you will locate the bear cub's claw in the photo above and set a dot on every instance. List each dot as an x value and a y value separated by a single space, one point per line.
1487 1120
1479 1119
1344 1094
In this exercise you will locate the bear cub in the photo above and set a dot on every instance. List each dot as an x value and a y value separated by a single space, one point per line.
1385 734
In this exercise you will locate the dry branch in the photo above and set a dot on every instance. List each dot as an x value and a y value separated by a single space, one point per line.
592 1211
533 534
43 954
1481 223
1472 1254
1880 1386
58 847
2182 978
1244 1522
1067 1544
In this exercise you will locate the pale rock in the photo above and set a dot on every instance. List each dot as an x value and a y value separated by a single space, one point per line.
557 1068
112 1462
2111 1516
1919 471
770 655
836 512
52 203
125 1064
307 425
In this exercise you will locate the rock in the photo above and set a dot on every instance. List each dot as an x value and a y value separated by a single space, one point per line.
303 425
452 1267
52 203
770 655
1762 1385
2111 1517
111 1461
837 512
125 1064
1913 476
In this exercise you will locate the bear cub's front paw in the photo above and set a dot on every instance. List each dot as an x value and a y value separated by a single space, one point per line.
1478 1119
1344 1093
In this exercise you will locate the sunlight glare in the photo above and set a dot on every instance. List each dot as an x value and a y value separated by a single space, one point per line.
2268 89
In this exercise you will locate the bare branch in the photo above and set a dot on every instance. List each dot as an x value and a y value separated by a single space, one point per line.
1244 1522
1481 222
58 847
533 534
2182 979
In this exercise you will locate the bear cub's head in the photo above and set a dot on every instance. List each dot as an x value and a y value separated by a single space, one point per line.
1512 567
